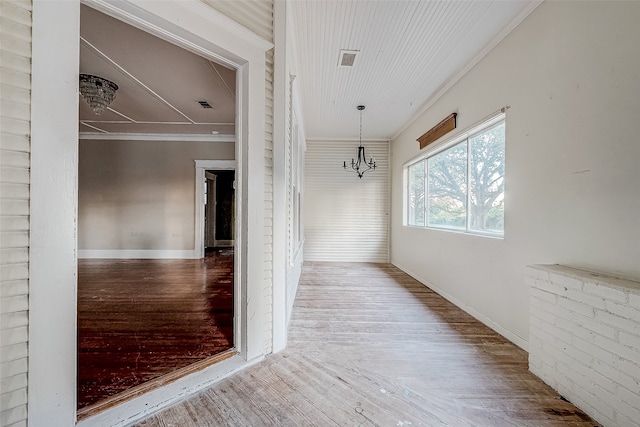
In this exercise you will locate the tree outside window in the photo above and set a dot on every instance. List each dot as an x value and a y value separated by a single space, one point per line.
464 185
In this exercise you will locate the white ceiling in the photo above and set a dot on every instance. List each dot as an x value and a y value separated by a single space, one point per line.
409 51
159 83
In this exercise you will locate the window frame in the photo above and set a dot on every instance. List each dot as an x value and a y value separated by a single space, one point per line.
438 148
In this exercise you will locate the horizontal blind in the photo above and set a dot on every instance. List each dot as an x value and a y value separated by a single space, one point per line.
346 217
15 112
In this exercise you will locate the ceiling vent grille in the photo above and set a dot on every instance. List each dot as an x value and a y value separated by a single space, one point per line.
204 104
347 57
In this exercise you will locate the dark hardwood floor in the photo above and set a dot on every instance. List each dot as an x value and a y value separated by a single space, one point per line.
370 346
141 319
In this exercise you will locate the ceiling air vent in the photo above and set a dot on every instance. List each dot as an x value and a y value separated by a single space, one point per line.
347 57
204 104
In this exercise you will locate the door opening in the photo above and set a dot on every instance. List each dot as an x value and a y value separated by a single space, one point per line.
219 216
148 309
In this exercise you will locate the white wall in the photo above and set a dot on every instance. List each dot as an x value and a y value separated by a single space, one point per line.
346 218
571 74
140 195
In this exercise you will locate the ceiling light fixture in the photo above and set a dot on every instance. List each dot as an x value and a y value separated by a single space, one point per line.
98 92
360 166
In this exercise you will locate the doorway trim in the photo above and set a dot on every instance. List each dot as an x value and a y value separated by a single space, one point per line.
201 167
194 26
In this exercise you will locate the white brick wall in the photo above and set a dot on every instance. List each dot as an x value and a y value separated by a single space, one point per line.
584 340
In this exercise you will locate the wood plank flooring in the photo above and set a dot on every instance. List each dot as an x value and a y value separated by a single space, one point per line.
141 319
370 346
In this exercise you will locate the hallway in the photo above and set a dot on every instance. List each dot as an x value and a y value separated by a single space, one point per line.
371 346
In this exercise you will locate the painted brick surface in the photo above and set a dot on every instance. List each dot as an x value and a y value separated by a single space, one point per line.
585 340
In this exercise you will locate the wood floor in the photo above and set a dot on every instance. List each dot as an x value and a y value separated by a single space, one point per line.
370 346
141 319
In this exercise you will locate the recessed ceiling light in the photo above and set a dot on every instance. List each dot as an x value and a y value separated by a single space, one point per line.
214 132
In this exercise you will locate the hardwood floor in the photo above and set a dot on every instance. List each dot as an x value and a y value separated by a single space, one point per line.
141 319
370 346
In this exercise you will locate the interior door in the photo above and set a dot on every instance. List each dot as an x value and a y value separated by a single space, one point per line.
210 210
225 209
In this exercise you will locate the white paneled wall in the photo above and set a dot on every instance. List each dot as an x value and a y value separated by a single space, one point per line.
15 112
268 206
257 16
346 218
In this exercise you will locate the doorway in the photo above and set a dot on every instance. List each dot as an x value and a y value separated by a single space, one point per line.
147 307
53 241
219 216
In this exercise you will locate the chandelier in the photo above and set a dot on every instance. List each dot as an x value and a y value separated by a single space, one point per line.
360 165
98 92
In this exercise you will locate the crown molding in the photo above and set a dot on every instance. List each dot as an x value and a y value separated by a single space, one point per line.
184 137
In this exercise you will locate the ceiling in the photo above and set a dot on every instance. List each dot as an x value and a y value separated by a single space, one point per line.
408 52
159 83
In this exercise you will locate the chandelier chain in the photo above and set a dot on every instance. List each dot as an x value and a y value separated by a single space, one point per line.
360 166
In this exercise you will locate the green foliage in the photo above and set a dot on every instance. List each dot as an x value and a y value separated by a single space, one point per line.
466 179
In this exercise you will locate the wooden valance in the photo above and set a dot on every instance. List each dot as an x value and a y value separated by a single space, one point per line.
438 131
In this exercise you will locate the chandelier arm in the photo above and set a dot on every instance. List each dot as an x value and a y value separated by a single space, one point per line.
359 165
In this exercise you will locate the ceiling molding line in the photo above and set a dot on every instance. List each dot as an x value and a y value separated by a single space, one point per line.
124 13
185 137
134 78
456 77
146 122
212 65
120 114
212 16
101 131
348 139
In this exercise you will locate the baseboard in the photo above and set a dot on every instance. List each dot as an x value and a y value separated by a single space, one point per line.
137 253
516 339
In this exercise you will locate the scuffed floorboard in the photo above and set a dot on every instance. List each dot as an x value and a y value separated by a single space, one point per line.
370 346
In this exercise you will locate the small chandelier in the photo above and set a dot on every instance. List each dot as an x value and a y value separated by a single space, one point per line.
360 166
98 92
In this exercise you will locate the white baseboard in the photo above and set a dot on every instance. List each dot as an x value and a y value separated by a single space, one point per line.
516 339
136 254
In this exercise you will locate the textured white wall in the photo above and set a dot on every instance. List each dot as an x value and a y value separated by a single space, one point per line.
570 72
140 194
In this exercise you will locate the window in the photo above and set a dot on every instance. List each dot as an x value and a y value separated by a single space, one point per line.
461 186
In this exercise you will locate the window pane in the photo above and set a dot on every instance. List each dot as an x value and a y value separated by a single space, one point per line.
416 194
486 180
448 188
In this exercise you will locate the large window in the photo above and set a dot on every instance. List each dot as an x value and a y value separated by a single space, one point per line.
460 186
